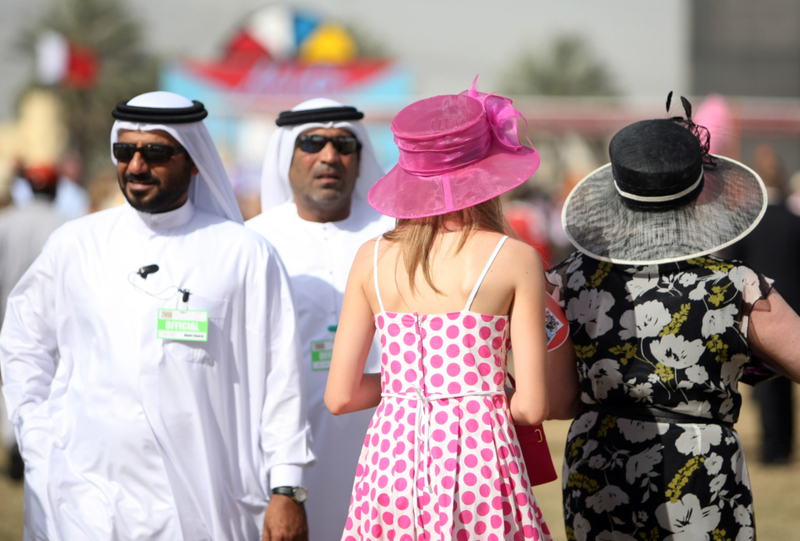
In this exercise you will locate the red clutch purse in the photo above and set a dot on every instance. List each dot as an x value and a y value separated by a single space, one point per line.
535 452
532 441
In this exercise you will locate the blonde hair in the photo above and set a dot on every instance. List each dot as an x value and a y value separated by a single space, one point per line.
418 235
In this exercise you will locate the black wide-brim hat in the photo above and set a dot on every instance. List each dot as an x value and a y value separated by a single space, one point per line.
661 200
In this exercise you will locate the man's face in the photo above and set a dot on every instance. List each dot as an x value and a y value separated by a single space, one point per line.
154 187
325 178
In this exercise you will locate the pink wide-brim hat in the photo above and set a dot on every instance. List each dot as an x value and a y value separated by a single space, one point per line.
455 151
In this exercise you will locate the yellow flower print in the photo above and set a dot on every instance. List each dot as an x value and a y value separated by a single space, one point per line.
599 275
719 535
678 318
586 352
626 351
575 448
664 372
718 294
681 478
716 345
712 264
581 481
609 422
654 535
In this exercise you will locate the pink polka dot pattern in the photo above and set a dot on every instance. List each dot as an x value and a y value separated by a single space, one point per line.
471 482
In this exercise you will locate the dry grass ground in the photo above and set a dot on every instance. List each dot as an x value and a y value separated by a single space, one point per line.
776 488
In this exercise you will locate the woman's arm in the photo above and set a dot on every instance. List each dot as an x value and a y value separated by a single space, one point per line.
562 382
349 389
529 404
774 335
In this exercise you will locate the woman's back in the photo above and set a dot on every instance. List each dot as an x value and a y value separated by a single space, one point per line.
441 456
454 273
441 459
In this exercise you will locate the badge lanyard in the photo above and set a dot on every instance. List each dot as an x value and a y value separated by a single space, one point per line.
177 323
322 351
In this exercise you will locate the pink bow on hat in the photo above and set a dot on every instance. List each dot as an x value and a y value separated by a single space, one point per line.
456 151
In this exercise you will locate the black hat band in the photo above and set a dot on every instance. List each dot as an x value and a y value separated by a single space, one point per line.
324 114
158 115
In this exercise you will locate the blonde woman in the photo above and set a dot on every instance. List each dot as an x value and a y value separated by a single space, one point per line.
447 293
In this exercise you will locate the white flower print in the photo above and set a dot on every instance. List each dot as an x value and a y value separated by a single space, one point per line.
605 376
588 448
590 310
607 499
638 431
576 280
597 462
698 439
581 527
641 392
642 463
628 323
717 321
643 280
675 352
737 465
554 278
653 378
747 533
686 520
606 535
695 407
726 406
716 484
742 515
687 279
699 292
575 265
732 370
713 463
696 373
582 424
644 321
737 276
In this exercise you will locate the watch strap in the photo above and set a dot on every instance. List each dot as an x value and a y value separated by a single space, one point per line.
284 491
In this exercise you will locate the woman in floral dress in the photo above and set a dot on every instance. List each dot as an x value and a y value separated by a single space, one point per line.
447 292
662 333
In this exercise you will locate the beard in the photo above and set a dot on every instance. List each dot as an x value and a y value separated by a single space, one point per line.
165 198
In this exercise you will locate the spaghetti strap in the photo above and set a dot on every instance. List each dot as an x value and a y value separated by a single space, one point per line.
375 274
483 274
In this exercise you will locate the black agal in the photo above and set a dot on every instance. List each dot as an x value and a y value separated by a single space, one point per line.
158 115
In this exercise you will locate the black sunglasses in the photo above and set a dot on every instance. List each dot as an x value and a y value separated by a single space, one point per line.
344 144
151 153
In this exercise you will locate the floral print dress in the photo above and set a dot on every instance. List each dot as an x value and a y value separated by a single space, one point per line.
672 337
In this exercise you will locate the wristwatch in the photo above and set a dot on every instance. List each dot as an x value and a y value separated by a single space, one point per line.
298 494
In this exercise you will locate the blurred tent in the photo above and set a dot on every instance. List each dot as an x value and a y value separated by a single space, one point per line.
277 57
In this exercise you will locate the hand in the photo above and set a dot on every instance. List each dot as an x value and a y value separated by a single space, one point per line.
285 520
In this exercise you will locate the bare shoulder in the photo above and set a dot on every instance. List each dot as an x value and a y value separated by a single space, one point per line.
364 260
520 257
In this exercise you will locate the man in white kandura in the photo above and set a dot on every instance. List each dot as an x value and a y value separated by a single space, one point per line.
318 169
150 356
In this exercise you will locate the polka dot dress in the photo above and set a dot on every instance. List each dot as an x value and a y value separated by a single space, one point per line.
441 458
